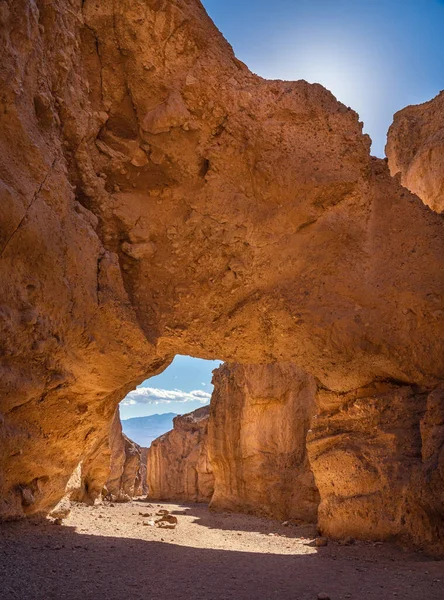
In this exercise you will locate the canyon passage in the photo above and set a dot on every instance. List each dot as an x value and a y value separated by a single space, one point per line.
157 198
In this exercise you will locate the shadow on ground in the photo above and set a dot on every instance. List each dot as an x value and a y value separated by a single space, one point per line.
49 562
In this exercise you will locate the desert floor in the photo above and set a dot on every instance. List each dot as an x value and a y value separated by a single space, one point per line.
106 552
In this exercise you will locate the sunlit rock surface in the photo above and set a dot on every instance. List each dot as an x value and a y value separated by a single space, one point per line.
259 420
178 467
415 149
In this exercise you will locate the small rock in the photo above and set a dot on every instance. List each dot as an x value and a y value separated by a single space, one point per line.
62 510
162 511
164 525
321 541
167 519
149 523
286 523
323 596
144 514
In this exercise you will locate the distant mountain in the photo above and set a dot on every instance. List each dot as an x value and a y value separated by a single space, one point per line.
143 430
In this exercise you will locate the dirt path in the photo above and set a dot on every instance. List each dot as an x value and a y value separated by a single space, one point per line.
106 553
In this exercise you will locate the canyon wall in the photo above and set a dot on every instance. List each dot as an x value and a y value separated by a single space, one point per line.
260 415
178 467
415 150
378 458
157 198
114 469
126 475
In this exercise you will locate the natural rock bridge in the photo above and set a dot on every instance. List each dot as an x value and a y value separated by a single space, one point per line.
158 198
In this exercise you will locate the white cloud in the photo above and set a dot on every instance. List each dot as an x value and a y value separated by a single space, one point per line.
147 395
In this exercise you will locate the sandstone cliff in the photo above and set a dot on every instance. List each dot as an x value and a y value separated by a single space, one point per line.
141 485
177 465
158 198
126 474
415 149
259 420
378 459
131 476
114 469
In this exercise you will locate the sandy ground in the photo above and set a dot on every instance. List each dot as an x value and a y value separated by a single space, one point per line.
107 553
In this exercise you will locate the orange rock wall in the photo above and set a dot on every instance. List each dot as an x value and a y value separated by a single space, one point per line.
378 459
126 475
259 420
114 468
178 467
415 150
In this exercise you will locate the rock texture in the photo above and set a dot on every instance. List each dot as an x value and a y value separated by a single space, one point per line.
126 474
259 420
131 482
177 465
114 470
141 485
113 481
158 198
415 149
378 458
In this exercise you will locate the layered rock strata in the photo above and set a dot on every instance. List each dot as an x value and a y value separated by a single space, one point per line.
415 150
158 198
178 467
259 420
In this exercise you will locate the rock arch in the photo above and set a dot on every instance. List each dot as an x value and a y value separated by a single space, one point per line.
159 198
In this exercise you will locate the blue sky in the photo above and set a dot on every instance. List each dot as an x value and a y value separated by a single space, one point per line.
184 386
376 56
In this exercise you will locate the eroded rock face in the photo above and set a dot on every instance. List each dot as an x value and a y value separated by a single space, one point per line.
378 458
131 477
415 149
116 466
114 469
158 198
126 472
177 462
259 420
141 482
